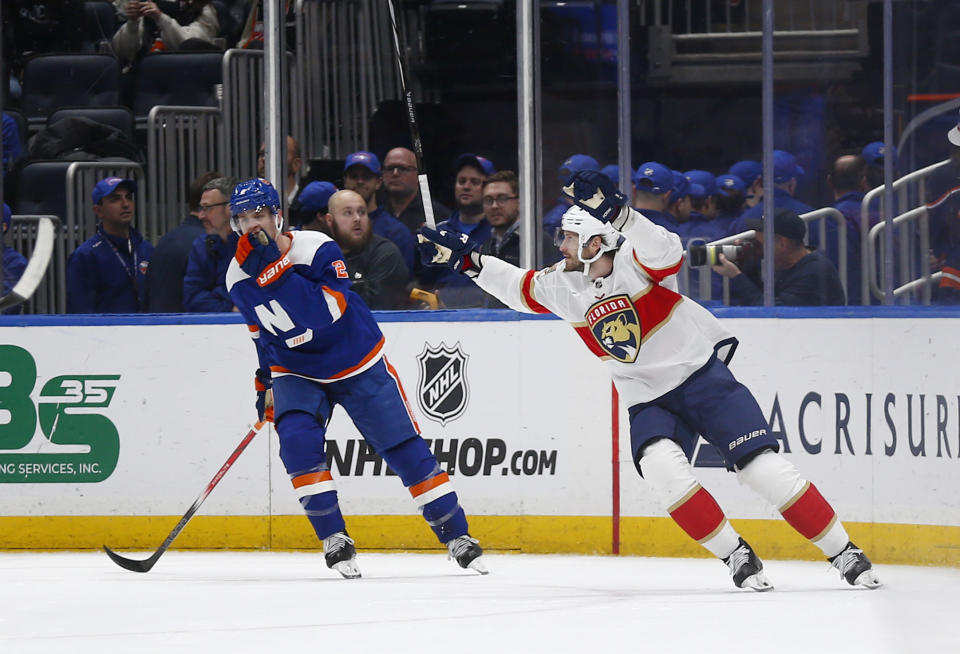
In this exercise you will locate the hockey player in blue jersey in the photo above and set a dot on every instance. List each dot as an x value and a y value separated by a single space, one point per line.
319 346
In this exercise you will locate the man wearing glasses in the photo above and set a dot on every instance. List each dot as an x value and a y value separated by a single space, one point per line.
403 190
204 286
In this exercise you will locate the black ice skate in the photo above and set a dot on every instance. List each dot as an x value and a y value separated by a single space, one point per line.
341 555
855 567
467 552
747 569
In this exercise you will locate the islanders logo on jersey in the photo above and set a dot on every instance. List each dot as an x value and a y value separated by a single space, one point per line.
442 390
616 327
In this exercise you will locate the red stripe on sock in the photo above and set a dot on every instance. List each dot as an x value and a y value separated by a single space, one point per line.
809 514
699 516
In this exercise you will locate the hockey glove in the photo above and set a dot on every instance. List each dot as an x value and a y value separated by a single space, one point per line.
596 194
448 247
259 257
264 385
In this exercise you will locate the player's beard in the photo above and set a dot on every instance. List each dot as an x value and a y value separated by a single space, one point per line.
572 264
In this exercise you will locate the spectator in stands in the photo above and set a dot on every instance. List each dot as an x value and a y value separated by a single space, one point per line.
873 157
106 273
703 211
12 148
309 212
847 179
731 201
455 290
204 286
749 171
157 27
168 265
576 163
12 263
501 204
403 199
361 173
785 174
374 263
803 278
681 205
653 191
613 173
294 165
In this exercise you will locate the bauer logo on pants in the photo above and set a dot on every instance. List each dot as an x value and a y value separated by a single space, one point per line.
442 390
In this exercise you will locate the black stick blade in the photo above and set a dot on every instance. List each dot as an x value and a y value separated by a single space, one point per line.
131 564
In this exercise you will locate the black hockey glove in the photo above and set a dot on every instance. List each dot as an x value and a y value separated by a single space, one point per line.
264 385
259 257
448 247
596 194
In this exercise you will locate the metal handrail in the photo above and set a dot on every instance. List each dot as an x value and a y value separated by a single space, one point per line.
917 213
923 282
924 117
865 263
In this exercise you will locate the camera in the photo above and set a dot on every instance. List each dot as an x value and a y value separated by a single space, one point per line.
709 255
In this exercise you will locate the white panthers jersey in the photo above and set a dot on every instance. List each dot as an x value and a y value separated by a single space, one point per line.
652 337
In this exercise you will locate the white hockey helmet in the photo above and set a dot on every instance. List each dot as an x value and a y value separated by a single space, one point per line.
585 226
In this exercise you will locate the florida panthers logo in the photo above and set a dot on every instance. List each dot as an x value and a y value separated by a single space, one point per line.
616 326
442 390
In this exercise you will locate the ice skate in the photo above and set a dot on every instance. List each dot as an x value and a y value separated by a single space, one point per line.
747 569
467 552
341 555
855 567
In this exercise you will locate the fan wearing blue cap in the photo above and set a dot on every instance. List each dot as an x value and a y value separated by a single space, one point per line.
731 200
873 155
468 217
362 174
574 163
310 208
749 170
12 262
703 224
785 174
653 193
107 273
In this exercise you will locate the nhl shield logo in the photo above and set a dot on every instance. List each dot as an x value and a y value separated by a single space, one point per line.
616 326
442 390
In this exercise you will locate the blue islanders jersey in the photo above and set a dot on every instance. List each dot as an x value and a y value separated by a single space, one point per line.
310 323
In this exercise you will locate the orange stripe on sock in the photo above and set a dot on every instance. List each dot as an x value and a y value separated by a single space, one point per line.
809 513
419 489
699 516
311 478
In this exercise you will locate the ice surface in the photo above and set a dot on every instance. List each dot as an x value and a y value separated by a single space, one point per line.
264 602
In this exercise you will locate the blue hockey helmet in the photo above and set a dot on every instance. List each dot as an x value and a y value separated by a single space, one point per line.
253 195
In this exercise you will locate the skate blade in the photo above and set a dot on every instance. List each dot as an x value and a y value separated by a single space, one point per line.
348 569
868 579
757 582
479 565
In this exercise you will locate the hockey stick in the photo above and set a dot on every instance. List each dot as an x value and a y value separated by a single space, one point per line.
411 119
145 565
36 267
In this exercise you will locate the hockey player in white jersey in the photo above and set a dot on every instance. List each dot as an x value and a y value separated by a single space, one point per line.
668 357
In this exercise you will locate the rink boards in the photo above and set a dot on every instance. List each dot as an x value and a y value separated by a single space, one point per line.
111 427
